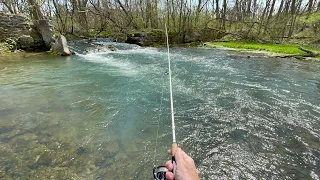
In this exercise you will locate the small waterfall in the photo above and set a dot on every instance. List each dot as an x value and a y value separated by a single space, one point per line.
86 46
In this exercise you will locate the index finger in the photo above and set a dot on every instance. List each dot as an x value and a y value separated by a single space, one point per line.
169 165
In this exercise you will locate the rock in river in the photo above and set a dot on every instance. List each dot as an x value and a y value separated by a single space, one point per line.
6 125
61 46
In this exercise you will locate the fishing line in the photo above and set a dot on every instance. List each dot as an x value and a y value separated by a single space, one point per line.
160 112
171 96
160 171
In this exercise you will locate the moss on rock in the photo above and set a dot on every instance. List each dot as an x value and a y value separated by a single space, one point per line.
4 47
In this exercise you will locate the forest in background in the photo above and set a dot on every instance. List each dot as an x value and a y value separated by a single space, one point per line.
243 19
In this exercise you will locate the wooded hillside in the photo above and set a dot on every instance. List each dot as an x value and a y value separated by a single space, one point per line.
245 19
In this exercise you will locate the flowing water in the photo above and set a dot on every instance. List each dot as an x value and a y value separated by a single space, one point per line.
94 115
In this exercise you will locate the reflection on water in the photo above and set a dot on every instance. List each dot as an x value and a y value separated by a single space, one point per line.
94 116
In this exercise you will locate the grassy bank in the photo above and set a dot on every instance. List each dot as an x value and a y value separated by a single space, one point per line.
269 47
4 47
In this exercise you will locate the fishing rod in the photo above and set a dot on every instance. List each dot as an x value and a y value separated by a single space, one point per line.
160 171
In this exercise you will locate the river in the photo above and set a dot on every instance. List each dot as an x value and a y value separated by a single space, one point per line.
94 115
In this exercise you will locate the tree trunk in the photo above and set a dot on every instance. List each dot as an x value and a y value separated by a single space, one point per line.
9 6
198 11
217 9
280 8
173 14
249 8
168 13
269 16
80 7
224 15
180 16
58 14
292 21
155 17
254 8
213 7
238 15
310 6
148 14
287 7
35 10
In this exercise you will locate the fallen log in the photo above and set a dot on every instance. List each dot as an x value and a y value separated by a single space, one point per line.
307 53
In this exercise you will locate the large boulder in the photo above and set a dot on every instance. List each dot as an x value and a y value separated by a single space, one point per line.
61 46
25 42
192 36
13 26
19 32
30 43
45 29
139 38
39 43
147 38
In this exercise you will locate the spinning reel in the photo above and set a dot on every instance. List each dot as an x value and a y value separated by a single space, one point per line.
159 173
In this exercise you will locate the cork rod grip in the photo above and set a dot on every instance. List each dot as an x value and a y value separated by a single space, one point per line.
174 148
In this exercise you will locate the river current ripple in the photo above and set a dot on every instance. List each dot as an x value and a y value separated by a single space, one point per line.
94 115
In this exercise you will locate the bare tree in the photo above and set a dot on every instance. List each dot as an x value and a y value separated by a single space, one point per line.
224 15
259 18
35 10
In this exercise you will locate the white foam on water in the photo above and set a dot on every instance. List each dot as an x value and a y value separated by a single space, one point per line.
314 175
120 65
140 50
133 50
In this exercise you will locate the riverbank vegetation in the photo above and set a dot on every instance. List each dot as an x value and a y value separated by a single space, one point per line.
264 46
4 47
245 19
281 21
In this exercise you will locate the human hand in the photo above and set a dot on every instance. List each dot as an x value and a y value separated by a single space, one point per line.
186 169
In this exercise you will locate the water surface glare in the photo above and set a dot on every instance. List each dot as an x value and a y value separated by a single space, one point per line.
94 116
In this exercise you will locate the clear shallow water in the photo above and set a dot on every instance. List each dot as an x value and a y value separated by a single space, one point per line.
94 116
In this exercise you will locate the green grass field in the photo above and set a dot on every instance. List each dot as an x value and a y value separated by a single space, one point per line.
270 47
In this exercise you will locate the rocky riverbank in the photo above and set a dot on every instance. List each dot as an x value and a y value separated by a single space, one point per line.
17 32
156 37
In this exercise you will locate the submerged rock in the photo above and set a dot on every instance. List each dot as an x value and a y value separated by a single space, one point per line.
81 151
112 48
97 47
61 46
112 147
2 173
6 125
103 163
45 159
23 142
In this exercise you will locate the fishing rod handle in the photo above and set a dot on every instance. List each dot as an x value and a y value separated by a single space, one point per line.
174 148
